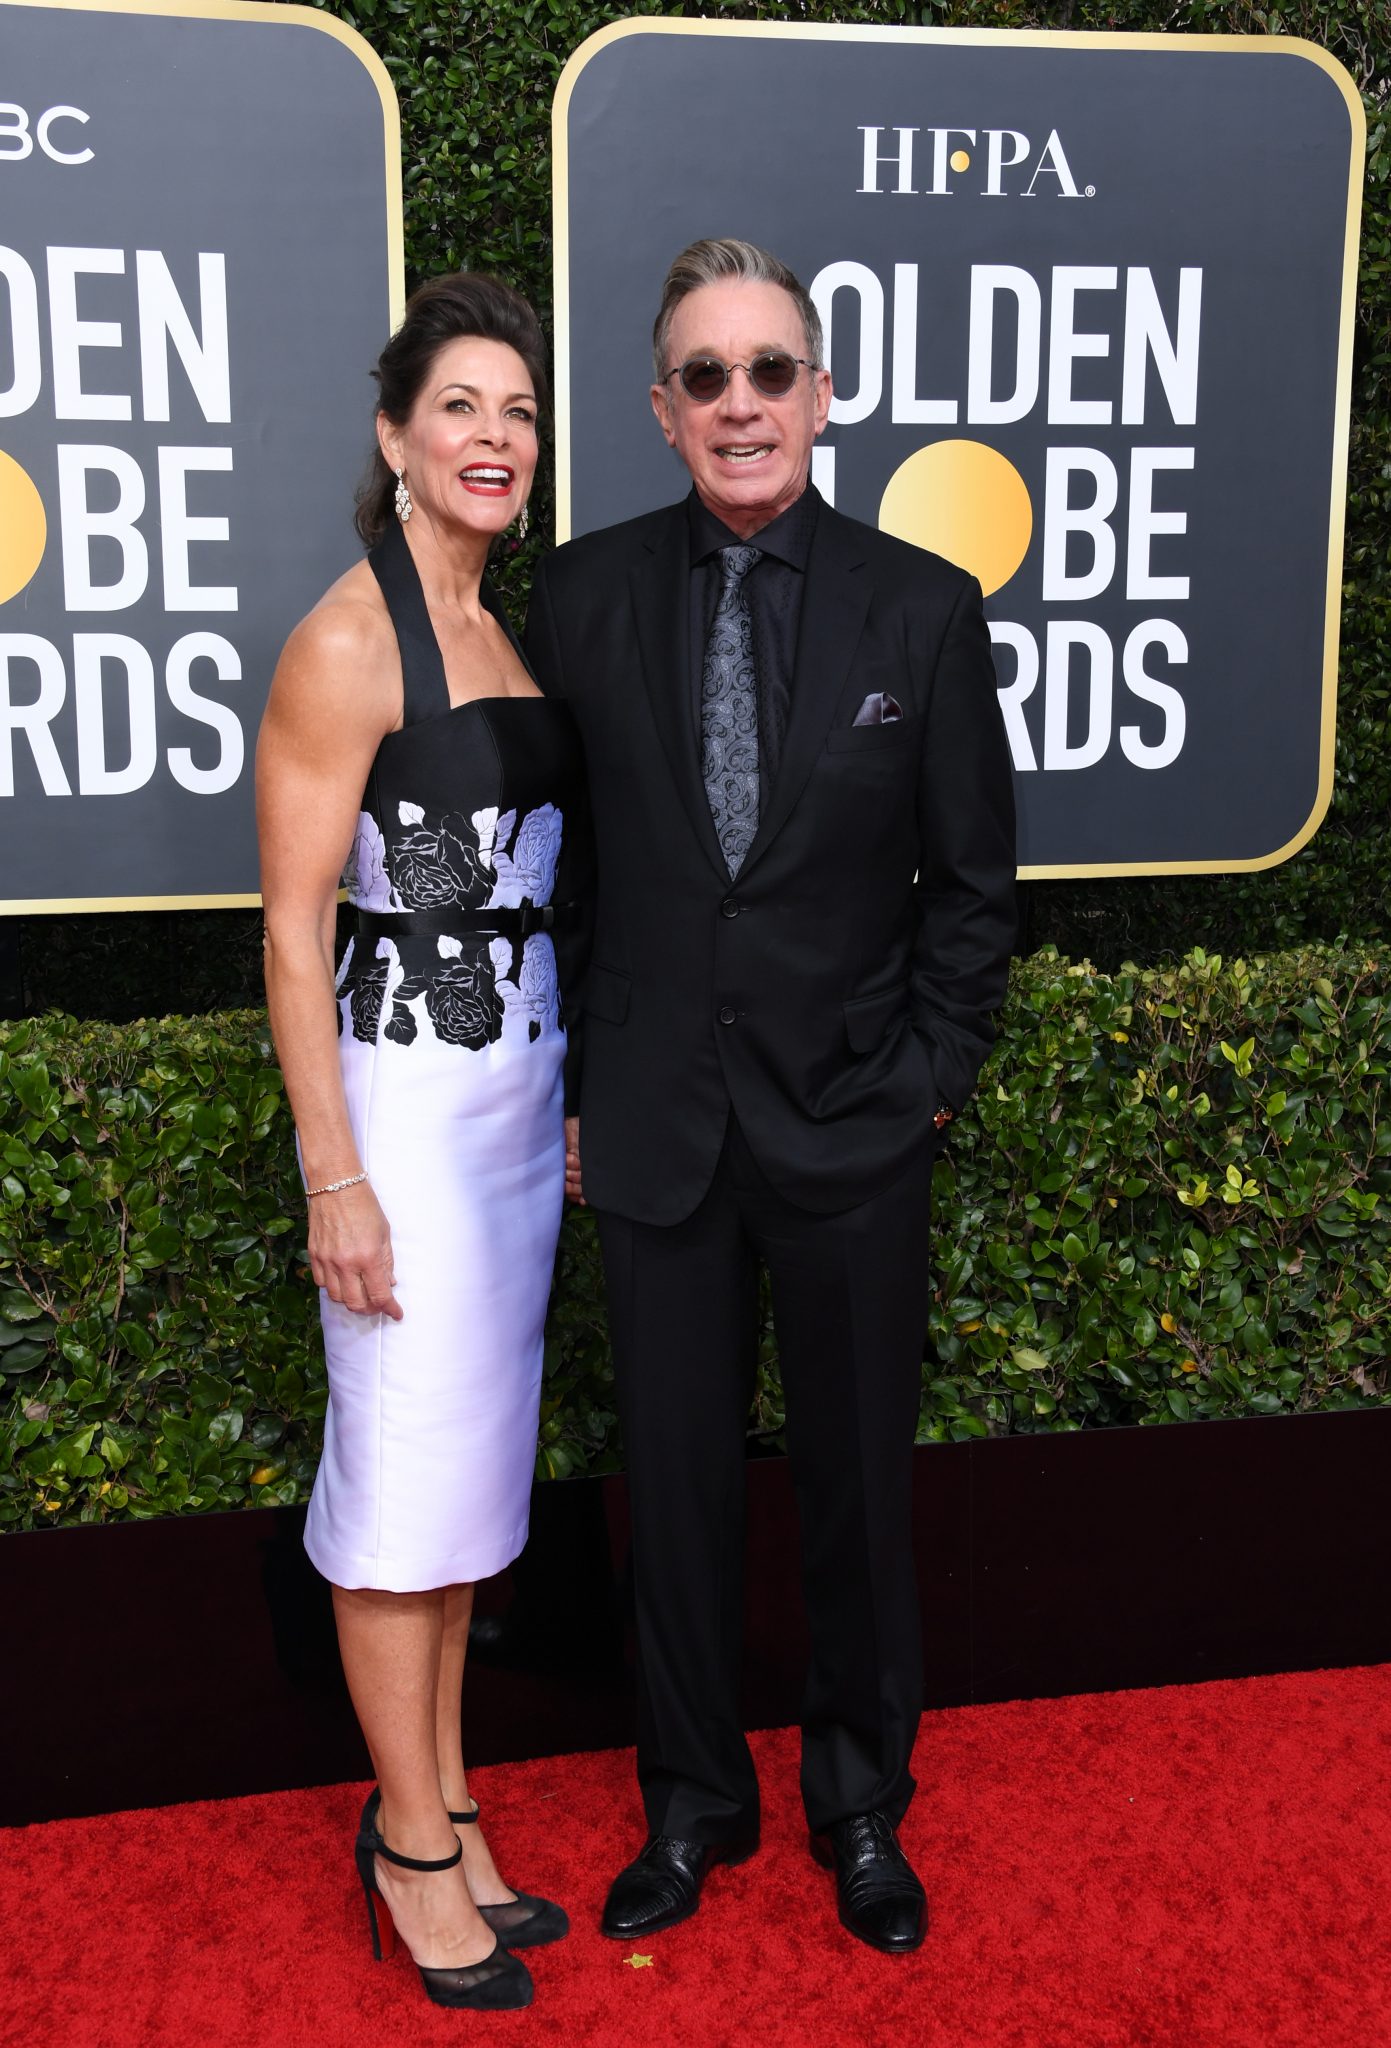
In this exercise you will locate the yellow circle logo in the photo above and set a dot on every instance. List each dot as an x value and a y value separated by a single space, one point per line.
23 527
965 501
960 160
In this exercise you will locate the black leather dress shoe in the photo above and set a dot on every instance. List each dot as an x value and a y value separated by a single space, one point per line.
662 1886
880 1899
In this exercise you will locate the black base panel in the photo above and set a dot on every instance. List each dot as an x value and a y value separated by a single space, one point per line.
195 1658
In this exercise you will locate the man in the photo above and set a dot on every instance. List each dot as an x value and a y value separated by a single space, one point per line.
805 841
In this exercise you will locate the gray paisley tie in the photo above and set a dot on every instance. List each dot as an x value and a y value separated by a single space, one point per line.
729 712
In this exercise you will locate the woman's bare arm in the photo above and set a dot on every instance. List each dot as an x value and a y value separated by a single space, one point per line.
336 692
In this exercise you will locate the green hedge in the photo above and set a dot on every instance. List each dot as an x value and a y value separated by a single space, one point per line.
1172 1198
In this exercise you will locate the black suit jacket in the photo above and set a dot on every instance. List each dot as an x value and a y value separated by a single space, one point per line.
845 982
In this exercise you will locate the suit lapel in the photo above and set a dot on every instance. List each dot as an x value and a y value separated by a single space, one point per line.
834 604
660 588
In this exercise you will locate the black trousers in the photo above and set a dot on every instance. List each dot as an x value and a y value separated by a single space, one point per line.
850 1304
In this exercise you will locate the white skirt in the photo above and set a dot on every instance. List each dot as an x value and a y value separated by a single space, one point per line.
430 1436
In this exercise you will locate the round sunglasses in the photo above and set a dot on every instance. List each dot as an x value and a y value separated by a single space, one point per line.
774 373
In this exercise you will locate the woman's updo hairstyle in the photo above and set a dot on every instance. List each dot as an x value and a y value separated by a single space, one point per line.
464 304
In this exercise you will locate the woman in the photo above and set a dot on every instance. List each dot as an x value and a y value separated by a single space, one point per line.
405 737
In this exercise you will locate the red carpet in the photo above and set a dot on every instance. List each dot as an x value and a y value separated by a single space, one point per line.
1199 1865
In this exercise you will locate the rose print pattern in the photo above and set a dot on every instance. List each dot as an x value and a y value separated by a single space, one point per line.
366 992
538 987
463 990
464 1003
485 825
366 987
439 864
529 869
365 878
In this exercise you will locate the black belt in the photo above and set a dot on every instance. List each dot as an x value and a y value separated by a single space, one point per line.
454 920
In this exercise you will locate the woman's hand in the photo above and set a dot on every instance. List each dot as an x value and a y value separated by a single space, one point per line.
333 698
350 1251
574 1183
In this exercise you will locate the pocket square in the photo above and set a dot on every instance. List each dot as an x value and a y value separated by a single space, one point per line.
878 709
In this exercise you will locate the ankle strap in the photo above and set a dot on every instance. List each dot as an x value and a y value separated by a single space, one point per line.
465 1817
415 1862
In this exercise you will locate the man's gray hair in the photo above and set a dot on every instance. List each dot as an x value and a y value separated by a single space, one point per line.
720 262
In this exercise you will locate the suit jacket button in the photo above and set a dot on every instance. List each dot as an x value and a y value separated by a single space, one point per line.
728 1015
729 908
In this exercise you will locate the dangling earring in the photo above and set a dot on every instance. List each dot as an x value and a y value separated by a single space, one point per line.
522 524
403 497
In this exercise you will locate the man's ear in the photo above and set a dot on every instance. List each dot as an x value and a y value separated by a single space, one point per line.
822 400
661 406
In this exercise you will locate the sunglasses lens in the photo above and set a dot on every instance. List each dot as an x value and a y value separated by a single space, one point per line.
704 378
774 374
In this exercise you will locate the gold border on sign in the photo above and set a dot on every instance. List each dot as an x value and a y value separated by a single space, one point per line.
271 14
1296 47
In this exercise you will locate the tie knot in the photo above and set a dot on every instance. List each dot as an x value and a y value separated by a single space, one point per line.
736 563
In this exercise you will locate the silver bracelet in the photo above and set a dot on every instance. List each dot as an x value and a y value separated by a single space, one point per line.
331 1187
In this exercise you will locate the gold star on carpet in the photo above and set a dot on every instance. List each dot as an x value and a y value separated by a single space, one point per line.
638 1962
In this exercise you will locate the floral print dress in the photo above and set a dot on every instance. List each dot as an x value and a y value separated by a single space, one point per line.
452 1047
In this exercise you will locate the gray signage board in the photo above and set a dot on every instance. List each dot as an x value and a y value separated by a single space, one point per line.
1089 301
200 258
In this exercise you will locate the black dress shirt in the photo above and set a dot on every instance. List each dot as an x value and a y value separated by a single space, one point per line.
774 590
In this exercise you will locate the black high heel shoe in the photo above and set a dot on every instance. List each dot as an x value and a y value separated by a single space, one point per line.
499 1983
526 1921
